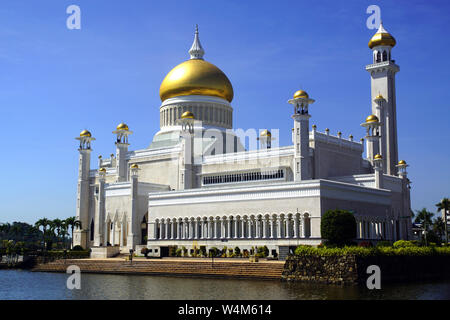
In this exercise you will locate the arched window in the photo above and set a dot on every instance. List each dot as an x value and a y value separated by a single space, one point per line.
378 56
384 56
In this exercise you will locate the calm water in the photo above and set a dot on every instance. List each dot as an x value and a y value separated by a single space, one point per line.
16 284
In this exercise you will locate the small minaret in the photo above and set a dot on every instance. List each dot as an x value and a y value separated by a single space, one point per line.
378 167
406 190
301 165
382 74
84 164
100 212
122 144
187 174
132 239
372 125
265 139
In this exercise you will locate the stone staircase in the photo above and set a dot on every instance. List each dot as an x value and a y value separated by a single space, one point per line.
205 268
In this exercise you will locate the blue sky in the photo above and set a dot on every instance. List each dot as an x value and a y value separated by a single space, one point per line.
54 82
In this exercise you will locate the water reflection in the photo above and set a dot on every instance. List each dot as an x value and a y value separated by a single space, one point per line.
27 285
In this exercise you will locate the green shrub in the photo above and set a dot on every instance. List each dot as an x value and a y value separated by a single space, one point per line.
263 252
237 251
403 244
338 227
214 252
178 252
172 251
77 248
384 244
372 251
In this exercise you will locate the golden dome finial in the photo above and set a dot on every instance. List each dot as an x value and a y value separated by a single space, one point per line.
196 51
265 133
402 162
378 157
134 166
187 115
382 38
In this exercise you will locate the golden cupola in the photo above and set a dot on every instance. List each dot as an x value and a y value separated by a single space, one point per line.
382 38
196 77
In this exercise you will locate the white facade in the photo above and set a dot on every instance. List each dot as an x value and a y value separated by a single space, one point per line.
196 186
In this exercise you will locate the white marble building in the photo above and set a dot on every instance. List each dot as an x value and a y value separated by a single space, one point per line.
197 186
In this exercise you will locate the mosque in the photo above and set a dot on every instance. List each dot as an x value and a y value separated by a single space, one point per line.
197 186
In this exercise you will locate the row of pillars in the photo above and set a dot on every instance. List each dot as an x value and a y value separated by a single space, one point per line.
275 227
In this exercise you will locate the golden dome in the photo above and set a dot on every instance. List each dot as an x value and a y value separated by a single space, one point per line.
102 170
266 133
382 38
122 126
187 115
85 133
372 118
378 156
301 94
379 97
196 77
134 166
402 162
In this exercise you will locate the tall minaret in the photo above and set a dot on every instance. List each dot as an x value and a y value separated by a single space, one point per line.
84 164
187 174
382 72
122 144
300 136
196 51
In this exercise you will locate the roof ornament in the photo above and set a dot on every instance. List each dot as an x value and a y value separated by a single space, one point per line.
196 50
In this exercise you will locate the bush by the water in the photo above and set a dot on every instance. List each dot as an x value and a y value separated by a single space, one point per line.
77 248
372 251
338 227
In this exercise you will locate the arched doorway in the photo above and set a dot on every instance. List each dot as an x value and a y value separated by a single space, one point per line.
144 229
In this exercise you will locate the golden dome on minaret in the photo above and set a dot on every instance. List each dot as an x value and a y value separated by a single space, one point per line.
196 77
382 38
85 133
122 126
372 118
301 94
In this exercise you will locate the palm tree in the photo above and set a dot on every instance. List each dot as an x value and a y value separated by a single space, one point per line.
439 227
444 205
424 217
44 223
57 225
72 222
64 232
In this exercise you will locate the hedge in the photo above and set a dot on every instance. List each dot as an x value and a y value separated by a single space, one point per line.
69 254
374 251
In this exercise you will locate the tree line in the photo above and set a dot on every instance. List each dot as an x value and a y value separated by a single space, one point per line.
45 234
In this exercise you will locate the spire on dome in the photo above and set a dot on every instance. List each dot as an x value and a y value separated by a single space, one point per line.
196 50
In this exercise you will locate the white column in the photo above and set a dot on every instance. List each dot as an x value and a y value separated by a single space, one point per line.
121 234
179 230
287 230
278 227
210 226
215 228
229 228
264 228
172 232
242 228
249 225
272 227
166 235
235 228
295 226
302 227
258 228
